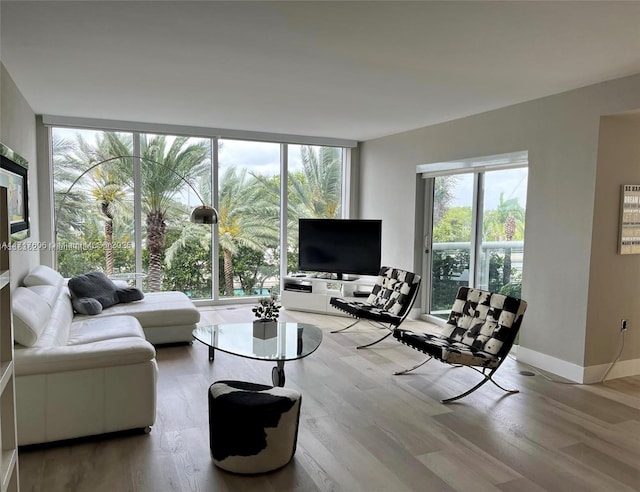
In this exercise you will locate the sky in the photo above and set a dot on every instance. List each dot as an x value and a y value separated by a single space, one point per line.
260 157
511 182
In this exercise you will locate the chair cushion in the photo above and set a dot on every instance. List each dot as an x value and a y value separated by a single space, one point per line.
484 320
30 316
393 290
479 332
43 275
389 301
365 311
445 349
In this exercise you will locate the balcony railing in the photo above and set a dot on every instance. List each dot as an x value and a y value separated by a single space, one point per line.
498 269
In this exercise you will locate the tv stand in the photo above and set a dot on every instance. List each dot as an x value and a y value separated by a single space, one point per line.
313 294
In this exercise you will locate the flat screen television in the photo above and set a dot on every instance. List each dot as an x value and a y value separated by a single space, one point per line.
340 246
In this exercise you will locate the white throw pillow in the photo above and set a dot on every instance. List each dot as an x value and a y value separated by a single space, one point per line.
43 275
30 315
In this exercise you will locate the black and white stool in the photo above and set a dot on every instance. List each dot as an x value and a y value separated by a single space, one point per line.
253 428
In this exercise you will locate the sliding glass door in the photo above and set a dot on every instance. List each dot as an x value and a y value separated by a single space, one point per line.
475 235
501 249
451 235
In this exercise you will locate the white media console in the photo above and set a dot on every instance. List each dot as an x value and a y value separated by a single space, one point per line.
313 294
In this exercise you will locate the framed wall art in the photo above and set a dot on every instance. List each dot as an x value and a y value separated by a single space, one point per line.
14 176
629 243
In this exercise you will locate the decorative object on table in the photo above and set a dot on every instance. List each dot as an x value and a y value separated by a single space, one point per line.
253 428
267 312
14 175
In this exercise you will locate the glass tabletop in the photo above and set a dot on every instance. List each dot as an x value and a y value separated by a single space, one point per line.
291 341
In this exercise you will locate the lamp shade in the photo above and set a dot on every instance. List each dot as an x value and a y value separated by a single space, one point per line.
204 214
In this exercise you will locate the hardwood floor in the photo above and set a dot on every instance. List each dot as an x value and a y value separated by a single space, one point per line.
364 429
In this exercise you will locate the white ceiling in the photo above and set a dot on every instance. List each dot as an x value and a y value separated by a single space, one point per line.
352 70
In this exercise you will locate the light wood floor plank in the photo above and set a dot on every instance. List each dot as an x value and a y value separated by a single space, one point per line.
456 476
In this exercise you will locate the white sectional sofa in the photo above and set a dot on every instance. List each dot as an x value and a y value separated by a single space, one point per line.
85 375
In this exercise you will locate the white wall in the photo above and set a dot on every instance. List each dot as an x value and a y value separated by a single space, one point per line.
18 132
561 135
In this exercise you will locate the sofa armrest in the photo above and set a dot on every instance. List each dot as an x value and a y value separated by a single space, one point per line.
104 353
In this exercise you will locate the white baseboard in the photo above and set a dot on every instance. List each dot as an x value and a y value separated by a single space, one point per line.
567 370
593 374
574 372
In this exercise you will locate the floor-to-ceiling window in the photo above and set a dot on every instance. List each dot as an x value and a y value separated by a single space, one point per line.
249 227
175 174
123 199
93 201
474 232
314 189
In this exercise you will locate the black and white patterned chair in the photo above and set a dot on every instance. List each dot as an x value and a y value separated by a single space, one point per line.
389 303
479 333
253 428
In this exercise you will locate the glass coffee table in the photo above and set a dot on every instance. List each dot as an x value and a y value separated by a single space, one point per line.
292 341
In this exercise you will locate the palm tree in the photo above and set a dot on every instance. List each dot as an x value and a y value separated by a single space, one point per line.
318 190
506 221
314 192
443 195
246 217
70 217
165 165
108 195
494 220
107 183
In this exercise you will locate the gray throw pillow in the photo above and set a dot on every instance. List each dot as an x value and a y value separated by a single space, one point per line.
86 305
94 285
129 294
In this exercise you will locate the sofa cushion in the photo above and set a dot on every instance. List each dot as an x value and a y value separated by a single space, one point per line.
30 316
98 329
93 285
43 275
157 309
106 353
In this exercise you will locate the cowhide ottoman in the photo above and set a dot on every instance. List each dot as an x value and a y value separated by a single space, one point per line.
253 428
